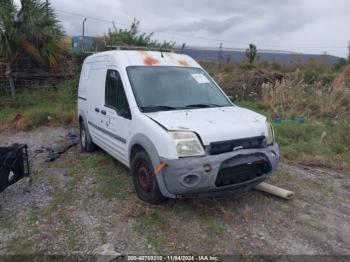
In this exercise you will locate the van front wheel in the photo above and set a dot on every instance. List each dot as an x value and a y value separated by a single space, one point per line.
144 179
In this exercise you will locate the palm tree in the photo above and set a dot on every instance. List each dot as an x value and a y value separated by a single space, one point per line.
30 30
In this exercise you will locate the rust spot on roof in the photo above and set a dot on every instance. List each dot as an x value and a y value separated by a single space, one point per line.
149 60
182 62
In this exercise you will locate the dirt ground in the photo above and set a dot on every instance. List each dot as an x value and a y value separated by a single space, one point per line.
81 201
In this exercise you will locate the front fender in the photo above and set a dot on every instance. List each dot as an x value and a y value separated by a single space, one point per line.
147 144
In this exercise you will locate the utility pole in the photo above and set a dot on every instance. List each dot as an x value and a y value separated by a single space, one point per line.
82 40
114 26
349 53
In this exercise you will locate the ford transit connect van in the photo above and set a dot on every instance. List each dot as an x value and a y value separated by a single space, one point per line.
164 117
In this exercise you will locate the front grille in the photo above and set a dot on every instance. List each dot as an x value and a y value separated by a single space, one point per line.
232 145
241 173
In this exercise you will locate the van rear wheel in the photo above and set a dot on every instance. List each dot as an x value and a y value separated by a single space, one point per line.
144 179
86 143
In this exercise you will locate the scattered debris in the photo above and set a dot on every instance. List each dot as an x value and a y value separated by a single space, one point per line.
247 84
274 190
299 120
105 253
14 165
56 151
73 140
323 135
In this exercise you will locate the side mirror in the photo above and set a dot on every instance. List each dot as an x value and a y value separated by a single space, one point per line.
125 114
232 98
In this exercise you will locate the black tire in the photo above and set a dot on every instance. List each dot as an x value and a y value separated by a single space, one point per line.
144 179
86 143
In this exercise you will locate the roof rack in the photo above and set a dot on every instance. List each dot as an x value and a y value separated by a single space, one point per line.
132 47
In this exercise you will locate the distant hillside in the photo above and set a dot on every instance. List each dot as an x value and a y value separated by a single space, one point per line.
238 55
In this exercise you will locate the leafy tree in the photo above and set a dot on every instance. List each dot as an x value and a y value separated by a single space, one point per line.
30 30
251 53
340 64
133 37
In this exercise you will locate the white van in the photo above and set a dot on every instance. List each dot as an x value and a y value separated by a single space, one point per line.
164 117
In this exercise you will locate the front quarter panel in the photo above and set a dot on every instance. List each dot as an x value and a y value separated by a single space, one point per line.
158 135
157 143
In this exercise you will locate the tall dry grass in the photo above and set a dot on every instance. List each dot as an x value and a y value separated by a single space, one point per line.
292 97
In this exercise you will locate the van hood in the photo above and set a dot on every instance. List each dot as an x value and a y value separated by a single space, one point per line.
214 124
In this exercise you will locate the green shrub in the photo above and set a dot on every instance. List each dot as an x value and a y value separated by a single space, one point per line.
321 143
39 107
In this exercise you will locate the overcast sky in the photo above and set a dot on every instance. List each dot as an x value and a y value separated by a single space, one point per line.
308 26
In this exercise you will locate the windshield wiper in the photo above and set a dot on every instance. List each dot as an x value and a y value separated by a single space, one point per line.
202 105
157 108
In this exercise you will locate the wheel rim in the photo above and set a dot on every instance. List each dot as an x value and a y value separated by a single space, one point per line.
144 176
83 137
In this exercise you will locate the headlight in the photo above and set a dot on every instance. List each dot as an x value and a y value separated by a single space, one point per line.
187 144
270 134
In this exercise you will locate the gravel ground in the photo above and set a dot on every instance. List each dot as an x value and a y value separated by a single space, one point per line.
71 209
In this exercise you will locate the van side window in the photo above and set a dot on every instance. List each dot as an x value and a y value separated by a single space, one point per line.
115 95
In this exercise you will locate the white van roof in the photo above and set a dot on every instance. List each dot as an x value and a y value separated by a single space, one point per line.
125 58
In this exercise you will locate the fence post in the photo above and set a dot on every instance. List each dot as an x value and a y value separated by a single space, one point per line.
220 56
12 84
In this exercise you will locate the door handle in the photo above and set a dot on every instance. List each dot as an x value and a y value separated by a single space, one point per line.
97 109
103 112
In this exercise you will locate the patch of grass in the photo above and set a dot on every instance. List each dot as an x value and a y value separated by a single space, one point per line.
56 211
287 209
39 107
321 187
71 240
24 245
216 228
256 106
110 175
311 226
92 160
6 223
61 198
151 225
211 221
316 143
103 234
33 214
280 175
323 142
21 246
33 218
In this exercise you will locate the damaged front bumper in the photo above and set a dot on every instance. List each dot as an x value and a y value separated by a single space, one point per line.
214 175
